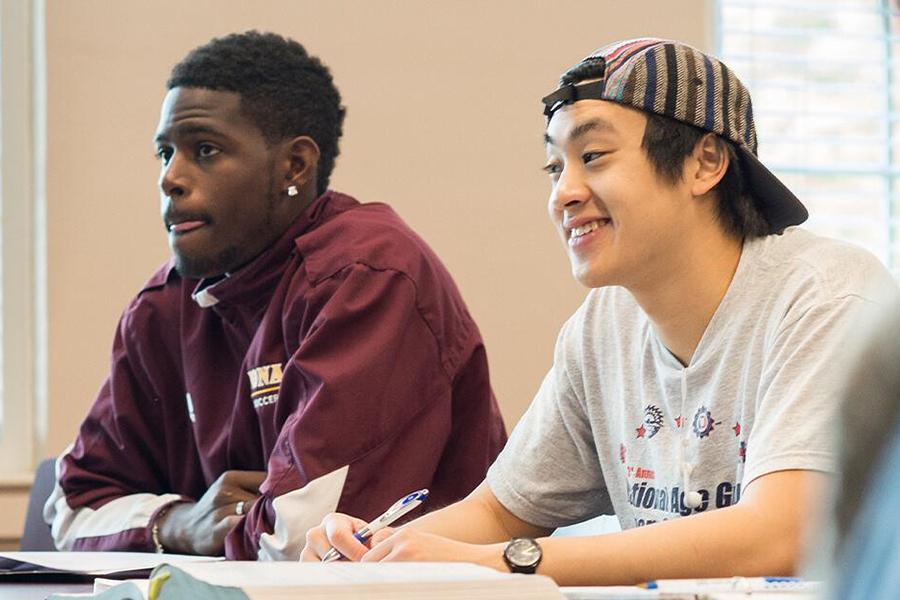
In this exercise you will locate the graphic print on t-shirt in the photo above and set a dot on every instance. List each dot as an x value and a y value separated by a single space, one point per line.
704 422
652 423
654 501
656 495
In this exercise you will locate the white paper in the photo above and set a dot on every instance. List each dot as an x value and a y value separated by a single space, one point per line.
622 592
98 563
101 585
289 573
764 595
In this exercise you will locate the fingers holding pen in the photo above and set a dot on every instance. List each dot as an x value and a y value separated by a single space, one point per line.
342 536
340 532
336 531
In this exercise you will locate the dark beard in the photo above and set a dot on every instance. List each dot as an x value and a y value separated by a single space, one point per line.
198 267
234 257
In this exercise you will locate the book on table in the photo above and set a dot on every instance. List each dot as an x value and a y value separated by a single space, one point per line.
239 580
72 567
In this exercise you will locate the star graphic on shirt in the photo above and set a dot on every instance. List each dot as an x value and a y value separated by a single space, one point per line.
737 429
679 421
641 431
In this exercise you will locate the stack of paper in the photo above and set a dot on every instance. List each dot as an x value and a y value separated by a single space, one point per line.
337 581
237 580
85 566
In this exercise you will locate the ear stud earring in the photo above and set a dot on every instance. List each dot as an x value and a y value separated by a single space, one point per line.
292 190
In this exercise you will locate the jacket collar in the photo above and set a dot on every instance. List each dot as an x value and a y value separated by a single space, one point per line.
253 283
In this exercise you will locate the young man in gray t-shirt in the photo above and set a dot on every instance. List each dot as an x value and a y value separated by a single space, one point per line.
699 377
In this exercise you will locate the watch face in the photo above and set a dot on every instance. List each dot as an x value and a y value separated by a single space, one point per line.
523 552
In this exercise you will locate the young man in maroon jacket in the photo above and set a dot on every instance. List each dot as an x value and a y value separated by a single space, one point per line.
301 353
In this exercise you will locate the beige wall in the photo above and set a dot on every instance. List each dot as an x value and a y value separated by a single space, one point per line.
444 123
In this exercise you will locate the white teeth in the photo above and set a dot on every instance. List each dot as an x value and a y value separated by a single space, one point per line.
583 229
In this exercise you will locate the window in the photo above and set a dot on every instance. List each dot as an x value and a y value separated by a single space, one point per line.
17 256
825 82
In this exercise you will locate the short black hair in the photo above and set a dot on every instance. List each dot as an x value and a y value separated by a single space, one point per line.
284 91
668 142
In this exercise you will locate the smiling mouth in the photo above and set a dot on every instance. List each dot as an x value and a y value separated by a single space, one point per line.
582 230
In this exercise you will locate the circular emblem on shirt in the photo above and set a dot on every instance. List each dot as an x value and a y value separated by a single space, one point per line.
703 422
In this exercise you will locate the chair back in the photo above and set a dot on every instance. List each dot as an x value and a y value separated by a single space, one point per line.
36 535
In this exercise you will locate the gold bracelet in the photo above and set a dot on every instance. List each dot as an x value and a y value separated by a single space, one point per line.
154 530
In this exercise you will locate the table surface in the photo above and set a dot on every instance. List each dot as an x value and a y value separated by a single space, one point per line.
39 591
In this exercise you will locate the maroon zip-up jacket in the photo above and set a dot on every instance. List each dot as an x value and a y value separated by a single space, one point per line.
342 361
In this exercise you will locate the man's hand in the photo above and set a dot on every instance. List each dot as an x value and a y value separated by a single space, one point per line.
473 529
200 527
406 544
389 544
335 531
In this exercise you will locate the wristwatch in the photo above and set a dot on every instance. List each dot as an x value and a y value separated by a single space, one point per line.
522 555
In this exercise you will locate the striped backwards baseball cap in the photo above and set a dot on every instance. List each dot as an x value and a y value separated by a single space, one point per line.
675 80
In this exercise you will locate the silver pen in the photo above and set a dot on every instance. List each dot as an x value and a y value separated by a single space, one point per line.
397 510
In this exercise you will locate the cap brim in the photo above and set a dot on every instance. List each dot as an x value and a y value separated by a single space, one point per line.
776 202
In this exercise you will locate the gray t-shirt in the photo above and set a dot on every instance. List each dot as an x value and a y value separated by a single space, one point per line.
619 425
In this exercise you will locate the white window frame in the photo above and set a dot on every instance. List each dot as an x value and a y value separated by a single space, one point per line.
23 428
887 170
